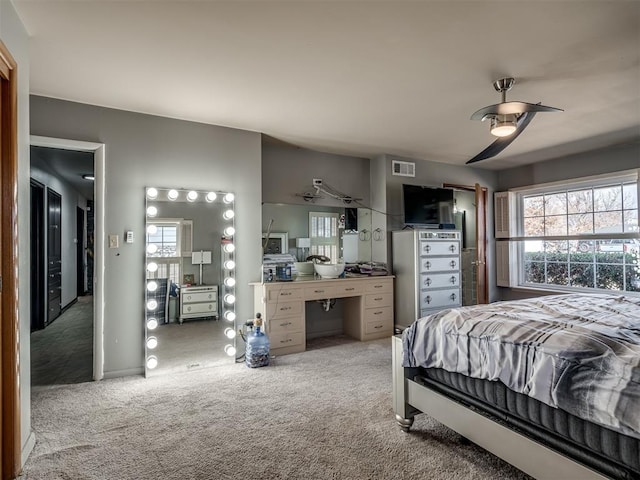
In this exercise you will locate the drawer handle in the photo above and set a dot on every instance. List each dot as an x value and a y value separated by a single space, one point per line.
452 248
453 297
452 279
427 299
285 293
452 263
286 341
378 312
427 265
282 309
378 286
284 324
427 281
378 299
318 291
349 289
427 248
378 326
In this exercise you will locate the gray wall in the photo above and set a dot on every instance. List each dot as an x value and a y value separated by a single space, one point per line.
144 150
16 40
289 170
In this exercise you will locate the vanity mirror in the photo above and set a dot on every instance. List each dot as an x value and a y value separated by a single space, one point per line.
345 233
190 279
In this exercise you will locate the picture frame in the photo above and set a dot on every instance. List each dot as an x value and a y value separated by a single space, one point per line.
188 279
278 242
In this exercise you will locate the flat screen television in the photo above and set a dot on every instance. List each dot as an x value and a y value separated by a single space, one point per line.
429 207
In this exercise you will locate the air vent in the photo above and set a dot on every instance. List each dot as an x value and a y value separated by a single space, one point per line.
403 169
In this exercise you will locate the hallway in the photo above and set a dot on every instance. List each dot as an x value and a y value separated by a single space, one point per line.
62 353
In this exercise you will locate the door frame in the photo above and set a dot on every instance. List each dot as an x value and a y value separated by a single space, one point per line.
482 283
10 437
81 273
37 257
98 150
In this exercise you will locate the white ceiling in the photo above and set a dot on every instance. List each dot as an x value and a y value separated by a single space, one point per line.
356 78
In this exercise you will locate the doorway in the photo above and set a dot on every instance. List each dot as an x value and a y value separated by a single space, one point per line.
38 307
81 287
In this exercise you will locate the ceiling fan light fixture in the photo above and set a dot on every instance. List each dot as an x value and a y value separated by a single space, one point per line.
503 125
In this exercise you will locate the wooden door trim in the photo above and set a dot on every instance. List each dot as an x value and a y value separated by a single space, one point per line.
9 329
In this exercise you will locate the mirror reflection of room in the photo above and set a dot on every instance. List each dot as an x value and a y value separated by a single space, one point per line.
190 280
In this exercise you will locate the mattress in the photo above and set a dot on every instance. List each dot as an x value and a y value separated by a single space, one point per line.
608 451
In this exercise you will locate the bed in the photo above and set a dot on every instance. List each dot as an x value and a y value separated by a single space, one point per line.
551 384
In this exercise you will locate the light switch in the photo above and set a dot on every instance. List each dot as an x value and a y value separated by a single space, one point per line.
113 241
128 236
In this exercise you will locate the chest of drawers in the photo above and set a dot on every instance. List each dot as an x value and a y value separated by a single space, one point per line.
198 302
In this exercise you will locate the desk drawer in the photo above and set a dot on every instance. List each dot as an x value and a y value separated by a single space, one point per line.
378 300
285 325
319 292
378 321
350 289
282 294
379 286
284 309
286 340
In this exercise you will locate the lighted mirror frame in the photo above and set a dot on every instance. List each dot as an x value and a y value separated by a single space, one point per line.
154 198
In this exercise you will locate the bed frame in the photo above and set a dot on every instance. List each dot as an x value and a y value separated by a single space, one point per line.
533 458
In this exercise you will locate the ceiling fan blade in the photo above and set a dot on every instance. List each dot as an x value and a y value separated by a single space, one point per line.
503 142
507 108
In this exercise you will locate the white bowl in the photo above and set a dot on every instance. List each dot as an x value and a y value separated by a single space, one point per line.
329 270
303 268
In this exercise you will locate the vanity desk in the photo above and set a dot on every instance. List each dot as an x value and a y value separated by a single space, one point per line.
368 308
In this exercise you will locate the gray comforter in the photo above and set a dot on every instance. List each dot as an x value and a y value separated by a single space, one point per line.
579 353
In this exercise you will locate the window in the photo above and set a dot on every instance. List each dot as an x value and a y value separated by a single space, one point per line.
581 235
324 235
168 240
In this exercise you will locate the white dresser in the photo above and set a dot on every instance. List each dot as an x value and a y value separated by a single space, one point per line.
368 308
426 264
198 302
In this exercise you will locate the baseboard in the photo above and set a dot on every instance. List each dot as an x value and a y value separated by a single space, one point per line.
124 373
324 333
27 448
68 305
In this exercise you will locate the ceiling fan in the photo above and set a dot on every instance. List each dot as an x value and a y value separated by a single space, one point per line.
508 119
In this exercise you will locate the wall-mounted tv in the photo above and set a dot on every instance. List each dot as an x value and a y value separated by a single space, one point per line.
429 207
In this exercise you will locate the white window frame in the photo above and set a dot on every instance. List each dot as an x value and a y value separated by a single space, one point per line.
517 237
173 262
328 246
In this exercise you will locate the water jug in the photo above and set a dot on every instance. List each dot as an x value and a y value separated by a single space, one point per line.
257 350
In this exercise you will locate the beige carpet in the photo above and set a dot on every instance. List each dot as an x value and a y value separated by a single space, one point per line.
322 414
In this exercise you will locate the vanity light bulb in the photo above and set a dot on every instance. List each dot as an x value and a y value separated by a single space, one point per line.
152 342
228 215
230 350
152 286
229 232
152 230
152 267
151 249
152 323
229 316
230 332
229 281
211 197
229 247
152 305
229 264
152 193
152 211
230 299
172 195
192 196
152 362
229 197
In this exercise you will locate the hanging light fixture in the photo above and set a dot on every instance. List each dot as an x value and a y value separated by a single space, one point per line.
503 125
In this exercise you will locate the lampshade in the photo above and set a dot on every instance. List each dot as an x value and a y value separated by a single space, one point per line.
503 125
200 258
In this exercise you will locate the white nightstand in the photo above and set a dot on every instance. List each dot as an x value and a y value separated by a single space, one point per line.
198 302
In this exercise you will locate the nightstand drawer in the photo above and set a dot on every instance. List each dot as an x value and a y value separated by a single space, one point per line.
378 300
206 307
199 297
284 309
319 292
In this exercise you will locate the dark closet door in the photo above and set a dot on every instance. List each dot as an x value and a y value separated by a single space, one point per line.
54 254
80 251
38 291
